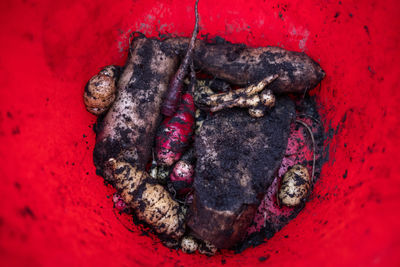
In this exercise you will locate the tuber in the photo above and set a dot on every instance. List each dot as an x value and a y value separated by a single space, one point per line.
175 133
151 202
189 245
127 131
267 100
294 187
241 65
101 89
237 158
182 173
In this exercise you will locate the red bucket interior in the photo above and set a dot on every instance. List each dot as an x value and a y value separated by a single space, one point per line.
55 211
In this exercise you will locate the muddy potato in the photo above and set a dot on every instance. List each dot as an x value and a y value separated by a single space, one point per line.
101 89
127 130
295 186
227 185
189 245
267 98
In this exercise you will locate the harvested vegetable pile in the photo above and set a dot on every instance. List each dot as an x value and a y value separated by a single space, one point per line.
220 162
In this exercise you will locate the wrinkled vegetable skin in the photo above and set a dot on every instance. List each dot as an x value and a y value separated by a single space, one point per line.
127 131
243 65
151 202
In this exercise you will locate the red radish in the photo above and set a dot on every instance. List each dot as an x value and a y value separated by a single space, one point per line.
175 133
174 92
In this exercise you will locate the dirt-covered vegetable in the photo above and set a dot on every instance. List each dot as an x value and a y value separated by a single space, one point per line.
242 65
100 91
236 158
189 244
128 129
151 202
252 97
182 173
294 187
175 133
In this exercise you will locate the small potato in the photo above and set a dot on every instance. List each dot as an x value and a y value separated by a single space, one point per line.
100 91
189 245
295 186
267 98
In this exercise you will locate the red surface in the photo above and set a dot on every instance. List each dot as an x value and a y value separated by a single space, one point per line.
53 208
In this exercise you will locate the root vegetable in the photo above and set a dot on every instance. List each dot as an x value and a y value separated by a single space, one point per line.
151 202
294 187
241 65
189 244
174 92
101 89
175 133
182 173
237 158
237 96
267 100
127 131
245 97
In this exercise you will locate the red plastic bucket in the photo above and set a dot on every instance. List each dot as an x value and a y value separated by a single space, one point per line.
54 210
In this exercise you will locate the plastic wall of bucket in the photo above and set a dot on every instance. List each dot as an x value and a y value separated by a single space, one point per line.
55 211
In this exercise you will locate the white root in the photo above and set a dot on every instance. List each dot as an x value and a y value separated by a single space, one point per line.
218 99
100 91
189 244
